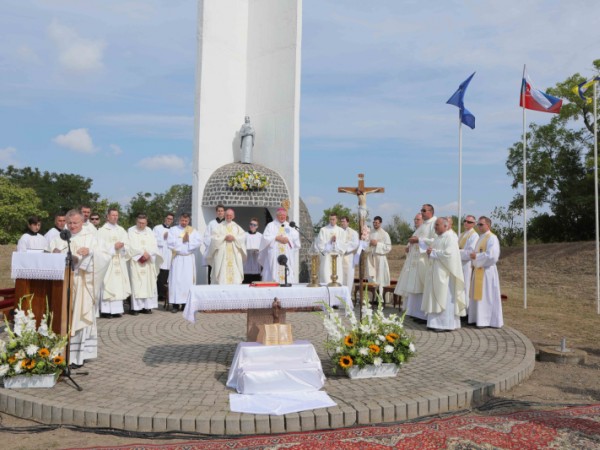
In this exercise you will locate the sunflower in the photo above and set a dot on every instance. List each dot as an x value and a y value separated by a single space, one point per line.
24 363
12 359
44 352
349 341
345 362
374 348
31 364
58 360
391 337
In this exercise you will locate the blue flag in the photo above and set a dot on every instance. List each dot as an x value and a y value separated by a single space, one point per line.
457 99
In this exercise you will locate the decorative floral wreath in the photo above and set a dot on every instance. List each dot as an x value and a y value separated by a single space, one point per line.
248 180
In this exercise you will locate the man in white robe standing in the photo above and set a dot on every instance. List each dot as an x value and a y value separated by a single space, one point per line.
183 241
32 240
351 241
278 239
212 225
144 263
380 245
485 303
330 241
227 251
444 294
466 243
87 225
161 233
116 287
423 237
408 280
252 267
90 262
59 224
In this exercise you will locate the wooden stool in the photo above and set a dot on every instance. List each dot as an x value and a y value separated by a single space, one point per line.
389 289
372 290
8 302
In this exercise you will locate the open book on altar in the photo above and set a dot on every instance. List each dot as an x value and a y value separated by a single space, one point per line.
275 334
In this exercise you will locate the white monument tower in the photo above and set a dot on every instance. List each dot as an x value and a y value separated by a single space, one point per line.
248 65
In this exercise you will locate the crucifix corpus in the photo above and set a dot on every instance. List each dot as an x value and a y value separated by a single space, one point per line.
361 192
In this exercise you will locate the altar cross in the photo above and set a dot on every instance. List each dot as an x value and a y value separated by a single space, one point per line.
361 192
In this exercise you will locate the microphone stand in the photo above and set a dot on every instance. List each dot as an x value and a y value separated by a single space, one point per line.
67 370
314 279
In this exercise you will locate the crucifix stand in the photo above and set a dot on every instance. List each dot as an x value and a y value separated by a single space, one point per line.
361 192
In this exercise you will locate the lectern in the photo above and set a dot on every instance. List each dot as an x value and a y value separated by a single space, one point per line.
44 275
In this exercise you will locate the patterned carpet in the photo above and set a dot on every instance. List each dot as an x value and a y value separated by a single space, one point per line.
569 428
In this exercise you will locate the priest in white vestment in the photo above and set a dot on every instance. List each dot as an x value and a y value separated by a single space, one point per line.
252 268
143 266
212 225
351 242
408 280
32 240
227 251
87 225
331 241
117 286
485 303
90 261
423 238
184 241
60 221
380 245
278 239
161 234
444 293
466 243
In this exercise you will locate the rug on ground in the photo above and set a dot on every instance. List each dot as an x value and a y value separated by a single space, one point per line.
576 427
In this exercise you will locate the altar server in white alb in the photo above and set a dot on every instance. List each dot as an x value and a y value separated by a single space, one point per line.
380 245
161 233
351 241
278 239
91 261
227 251
252 267
485 304
184 241
331 241
116 287
466 243
144 266
59 224
32 240
444 294
423 238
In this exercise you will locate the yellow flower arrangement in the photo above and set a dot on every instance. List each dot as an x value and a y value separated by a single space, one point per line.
248 180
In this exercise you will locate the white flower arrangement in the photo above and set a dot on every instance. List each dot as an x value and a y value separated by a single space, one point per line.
248 180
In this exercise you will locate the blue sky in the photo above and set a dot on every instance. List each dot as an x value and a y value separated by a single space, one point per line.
105 89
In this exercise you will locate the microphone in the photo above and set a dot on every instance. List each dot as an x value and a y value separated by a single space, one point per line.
282 260
65 235
294 226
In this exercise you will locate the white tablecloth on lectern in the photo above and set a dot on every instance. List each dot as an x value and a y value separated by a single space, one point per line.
38 266
267 369
236 297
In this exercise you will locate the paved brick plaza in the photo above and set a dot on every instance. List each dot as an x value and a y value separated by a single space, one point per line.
159 372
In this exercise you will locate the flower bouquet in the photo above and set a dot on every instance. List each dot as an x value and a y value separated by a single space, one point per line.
371 347
31 352
248 180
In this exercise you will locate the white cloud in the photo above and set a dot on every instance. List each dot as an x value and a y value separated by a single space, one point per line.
116 149
74 52
7 157
171 163
78 140
313 200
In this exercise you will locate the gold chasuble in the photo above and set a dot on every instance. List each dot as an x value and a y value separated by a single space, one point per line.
478 272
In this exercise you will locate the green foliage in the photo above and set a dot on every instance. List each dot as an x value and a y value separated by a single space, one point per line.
156 206
506 225
341 211
16 205
399 230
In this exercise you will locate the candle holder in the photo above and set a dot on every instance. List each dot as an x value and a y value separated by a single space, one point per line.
314 271
334 276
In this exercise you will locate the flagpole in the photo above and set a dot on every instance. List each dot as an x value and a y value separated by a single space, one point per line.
459 171
524 198
596 199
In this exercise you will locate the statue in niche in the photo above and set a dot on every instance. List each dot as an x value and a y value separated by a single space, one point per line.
246 141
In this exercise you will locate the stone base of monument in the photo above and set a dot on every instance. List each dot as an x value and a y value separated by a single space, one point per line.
556 355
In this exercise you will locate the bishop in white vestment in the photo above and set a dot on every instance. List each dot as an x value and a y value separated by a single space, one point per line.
278 239
331 241
144 266
184 241
444 293
227 252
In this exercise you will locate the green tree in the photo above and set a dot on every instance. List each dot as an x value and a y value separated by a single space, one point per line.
17 204
506 225
399 230
341 211
156 206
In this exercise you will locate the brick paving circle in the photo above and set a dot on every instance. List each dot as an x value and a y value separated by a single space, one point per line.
159 372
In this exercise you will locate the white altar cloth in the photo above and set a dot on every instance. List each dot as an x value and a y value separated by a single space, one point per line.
280 403
243 297
266 369
38 266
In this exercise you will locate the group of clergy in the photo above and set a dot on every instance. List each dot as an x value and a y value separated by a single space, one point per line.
446 277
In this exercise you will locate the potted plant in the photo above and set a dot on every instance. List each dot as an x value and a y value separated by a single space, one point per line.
375 346
31 357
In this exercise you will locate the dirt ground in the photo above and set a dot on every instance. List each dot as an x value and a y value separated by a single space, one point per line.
561 303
